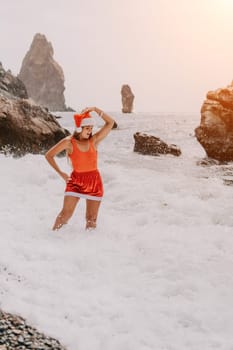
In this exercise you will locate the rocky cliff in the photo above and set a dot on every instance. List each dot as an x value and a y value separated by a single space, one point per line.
43 76
24 126
10 86
215 132
27 128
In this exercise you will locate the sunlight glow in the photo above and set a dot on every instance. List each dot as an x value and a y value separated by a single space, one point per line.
224 4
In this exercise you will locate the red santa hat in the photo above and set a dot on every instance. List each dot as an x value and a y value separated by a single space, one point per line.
83 119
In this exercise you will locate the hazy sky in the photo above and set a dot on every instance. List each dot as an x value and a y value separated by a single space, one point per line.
171 52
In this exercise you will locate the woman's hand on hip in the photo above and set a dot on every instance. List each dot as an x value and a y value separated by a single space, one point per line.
65 176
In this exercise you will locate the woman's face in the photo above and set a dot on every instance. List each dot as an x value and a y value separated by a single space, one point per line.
86 131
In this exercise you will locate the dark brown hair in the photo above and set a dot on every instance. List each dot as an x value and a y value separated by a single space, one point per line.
76 135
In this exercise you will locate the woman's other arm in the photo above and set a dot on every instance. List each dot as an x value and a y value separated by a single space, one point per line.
62 145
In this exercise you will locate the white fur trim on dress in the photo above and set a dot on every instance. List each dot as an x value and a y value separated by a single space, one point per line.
81 195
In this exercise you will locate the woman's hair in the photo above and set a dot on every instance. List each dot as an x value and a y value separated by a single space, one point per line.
76 135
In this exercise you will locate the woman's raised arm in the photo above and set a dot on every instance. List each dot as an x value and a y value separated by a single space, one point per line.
104 131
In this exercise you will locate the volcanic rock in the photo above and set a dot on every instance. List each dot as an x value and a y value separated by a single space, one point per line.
27 128
43 76
215 132
11 86
154 146
127 98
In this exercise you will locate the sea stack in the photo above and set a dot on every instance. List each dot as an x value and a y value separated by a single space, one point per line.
127 98
215 132
43 76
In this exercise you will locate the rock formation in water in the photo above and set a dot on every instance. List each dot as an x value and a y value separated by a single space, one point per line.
215 132
127 98
10 86
154 146
42 75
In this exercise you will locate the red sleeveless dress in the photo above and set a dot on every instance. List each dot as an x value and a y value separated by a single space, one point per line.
85 180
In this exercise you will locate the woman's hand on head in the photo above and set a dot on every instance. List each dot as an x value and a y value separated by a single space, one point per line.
88 109
91 109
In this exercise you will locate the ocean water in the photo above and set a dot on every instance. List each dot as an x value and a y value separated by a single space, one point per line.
157 271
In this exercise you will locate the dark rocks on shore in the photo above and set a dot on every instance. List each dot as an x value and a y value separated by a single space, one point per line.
24 126
15 333
27 128
115 126
215 132
151 145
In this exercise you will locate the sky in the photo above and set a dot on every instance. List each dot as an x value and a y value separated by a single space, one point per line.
156 274
170 52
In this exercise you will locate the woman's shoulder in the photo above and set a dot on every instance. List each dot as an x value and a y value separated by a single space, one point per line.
67 141
68 138
93 138
94 141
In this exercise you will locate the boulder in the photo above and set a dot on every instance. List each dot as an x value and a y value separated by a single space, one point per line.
27 128
115 126
215 132
154 146
43 76
127 98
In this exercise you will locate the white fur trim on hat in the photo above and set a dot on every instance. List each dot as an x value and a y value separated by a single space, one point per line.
87 122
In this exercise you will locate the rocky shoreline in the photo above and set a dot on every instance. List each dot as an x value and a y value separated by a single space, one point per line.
15 333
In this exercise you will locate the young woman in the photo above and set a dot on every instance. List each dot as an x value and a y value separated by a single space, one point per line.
85 180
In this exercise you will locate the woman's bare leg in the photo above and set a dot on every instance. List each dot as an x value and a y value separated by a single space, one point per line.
69 205
92 208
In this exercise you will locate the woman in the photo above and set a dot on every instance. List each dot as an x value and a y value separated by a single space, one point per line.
85 180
